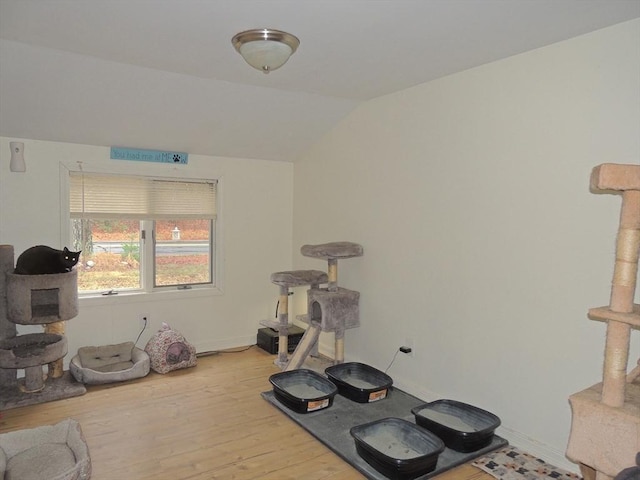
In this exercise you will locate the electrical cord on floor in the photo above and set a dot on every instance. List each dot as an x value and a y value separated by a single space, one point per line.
237 351
218 352
143 329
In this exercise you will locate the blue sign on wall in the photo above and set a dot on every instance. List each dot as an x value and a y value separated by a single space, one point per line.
137 155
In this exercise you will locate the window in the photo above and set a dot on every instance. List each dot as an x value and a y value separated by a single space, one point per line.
142 233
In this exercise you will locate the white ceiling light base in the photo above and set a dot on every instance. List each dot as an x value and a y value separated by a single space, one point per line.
265 49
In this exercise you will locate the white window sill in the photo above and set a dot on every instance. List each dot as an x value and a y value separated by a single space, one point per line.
143 297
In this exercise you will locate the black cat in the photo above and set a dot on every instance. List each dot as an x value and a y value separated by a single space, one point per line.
40 260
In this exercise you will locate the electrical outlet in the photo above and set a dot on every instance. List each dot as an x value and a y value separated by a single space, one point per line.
144 320
408 342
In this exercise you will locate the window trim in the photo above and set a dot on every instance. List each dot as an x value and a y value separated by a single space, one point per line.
156 171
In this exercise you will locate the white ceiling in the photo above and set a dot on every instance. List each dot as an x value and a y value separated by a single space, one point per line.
163 74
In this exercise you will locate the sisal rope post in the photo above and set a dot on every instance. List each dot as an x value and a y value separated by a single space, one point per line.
332 272
627 249
622 292
283 331
339 346
55 368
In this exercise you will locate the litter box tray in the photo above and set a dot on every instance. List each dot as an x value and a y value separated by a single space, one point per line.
397 448
359 382
303 390
462 427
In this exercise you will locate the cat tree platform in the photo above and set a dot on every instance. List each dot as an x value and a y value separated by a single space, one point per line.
605 438
332 252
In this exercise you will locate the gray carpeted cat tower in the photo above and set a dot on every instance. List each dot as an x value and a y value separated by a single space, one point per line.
47 300
331 309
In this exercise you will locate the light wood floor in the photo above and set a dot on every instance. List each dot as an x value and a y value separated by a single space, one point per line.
207 422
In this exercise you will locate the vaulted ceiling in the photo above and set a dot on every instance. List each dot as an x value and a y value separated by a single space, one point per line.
162 74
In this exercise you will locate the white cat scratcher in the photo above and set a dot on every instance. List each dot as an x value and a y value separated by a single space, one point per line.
605 427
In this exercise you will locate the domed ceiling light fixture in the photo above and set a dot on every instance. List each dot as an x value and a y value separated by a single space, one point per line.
265 49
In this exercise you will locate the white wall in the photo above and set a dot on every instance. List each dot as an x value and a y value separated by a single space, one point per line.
482 241
255 221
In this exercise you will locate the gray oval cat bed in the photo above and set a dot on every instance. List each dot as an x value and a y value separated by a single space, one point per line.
51 452
109 364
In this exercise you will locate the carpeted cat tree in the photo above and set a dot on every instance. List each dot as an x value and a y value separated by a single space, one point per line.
605 428
331 309
47 300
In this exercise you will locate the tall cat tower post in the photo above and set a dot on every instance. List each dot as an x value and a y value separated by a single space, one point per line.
605 428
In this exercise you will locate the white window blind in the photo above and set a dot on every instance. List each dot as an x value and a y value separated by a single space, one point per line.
95 195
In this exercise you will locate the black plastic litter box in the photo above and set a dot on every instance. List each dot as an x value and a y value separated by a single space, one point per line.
398 449
359 382
303 390
462 427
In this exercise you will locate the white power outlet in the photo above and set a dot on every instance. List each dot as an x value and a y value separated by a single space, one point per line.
144 320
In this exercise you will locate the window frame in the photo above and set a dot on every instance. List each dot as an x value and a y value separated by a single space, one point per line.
148 265
149 256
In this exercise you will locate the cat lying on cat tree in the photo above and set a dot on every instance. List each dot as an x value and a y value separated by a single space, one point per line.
43 260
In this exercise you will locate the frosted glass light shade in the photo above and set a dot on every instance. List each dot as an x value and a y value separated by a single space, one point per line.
17 157
265 55
265 49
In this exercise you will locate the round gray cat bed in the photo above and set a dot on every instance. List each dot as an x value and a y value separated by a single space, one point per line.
51 452
109 364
